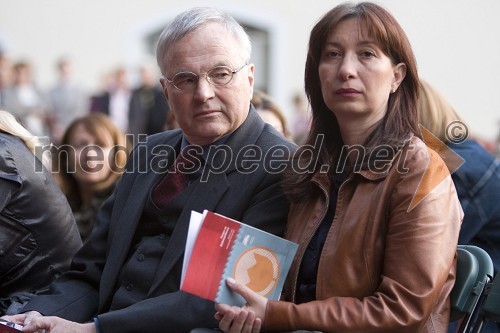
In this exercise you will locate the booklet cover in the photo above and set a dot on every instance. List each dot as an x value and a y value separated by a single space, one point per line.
218 247
8 327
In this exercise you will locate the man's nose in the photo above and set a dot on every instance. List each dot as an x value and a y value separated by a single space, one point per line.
204 90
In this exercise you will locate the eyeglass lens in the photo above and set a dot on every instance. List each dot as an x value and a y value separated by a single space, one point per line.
218 76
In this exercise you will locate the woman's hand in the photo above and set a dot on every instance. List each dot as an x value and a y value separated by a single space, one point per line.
248 319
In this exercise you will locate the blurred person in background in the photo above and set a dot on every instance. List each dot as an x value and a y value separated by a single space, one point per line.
91 158
38 235
25 101
115 100
66 99
477 180
270 112
148 105
5 74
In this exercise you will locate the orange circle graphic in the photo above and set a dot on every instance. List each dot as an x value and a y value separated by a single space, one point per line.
258 268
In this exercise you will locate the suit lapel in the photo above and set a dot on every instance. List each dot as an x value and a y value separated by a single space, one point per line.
127 220
203 195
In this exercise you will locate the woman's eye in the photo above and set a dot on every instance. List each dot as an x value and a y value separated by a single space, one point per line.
368 54
332 54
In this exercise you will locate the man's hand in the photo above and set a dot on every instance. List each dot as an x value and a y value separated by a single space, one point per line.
57 325
22 318
34 322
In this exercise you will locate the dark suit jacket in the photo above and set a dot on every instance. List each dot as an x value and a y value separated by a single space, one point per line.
246 189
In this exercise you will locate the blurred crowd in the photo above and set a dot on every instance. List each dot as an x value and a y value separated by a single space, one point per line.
139 108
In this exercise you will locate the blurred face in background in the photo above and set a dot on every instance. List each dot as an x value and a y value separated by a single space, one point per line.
272 119
90 156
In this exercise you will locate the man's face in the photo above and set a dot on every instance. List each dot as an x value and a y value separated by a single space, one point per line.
208 112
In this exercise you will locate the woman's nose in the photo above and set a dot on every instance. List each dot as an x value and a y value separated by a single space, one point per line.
348 67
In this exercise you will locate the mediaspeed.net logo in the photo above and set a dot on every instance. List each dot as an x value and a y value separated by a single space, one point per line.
456 132
93 158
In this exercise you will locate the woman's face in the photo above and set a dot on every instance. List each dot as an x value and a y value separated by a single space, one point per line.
356 76
89 158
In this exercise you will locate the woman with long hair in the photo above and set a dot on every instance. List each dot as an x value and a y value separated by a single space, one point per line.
91 159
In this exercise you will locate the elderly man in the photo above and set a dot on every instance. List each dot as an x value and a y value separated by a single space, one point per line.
127 277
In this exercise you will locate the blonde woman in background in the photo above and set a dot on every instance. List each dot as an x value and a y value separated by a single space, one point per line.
38 235
477 180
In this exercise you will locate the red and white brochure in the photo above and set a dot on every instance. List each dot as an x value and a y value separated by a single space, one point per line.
8 327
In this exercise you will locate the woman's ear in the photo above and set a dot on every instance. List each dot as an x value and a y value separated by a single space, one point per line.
399 75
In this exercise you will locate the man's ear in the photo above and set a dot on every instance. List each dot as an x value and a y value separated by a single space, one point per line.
164 83
251 78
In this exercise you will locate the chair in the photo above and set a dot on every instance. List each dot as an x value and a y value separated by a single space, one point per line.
489 308
474 272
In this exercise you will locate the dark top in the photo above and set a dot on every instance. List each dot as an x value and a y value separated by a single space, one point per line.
86 215
306 283
38 235
478 187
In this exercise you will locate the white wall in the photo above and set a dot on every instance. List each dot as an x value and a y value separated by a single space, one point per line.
457 42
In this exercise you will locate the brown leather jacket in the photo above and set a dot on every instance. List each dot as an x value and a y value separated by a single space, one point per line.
384 267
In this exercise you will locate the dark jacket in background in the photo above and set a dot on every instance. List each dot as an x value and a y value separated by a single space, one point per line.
38 235
478 186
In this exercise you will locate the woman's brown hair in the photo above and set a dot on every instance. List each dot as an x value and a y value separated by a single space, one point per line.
101 127
400 120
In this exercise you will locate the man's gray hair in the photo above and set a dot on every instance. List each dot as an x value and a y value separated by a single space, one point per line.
194 18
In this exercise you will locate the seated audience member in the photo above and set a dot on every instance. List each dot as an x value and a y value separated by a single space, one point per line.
127 276
270 112
377 247
91 158
38 235
477 180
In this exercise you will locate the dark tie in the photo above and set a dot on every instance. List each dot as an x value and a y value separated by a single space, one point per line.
176 179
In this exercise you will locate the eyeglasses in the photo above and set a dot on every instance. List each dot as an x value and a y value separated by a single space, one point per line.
217 76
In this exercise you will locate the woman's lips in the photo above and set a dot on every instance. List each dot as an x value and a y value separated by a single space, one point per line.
347 92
